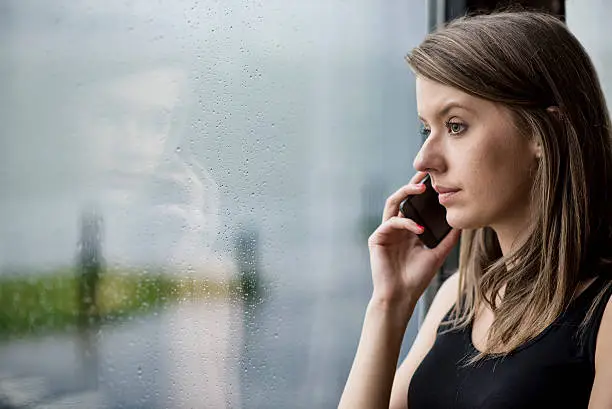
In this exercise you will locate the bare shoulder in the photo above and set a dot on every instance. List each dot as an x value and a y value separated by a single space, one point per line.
601 394
604 336
426 337
442 303
445 298
603 349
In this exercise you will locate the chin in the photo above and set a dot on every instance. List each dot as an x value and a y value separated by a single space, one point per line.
461 220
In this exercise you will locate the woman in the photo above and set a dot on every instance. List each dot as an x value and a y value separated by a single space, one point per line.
518 148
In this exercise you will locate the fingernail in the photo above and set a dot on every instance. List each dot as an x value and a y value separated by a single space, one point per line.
420 227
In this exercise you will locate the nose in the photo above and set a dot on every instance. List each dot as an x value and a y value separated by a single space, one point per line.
430 157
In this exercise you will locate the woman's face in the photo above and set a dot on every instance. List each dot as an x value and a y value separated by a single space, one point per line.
474 151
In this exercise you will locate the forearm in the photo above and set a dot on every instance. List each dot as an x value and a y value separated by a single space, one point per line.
371 377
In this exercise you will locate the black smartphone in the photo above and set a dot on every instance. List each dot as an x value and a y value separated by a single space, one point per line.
426 210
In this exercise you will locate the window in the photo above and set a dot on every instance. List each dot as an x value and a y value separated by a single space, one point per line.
188 188
587 21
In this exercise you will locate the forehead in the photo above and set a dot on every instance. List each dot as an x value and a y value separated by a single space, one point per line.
434 99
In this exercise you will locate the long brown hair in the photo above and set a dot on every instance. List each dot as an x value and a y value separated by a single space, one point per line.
530 63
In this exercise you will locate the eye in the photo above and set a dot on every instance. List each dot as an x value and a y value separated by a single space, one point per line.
424 131
455 127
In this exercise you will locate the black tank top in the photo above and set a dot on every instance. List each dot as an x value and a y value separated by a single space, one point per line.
553 370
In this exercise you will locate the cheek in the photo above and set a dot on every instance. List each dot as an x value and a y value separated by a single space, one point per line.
493 178
501 185
484 173
500 162
498 183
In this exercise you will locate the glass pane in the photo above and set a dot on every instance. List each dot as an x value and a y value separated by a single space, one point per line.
588 20
188 188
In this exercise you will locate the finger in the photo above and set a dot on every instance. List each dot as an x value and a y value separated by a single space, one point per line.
403 223
393 201
418 177
392 225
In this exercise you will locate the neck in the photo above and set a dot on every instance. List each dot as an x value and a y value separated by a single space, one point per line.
511 234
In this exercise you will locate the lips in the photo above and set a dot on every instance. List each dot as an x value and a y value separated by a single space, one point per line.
443 189
446 194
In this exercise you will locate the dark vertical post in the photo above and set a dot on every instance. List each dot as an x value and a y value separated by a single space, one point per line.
247 258
89 268
458 7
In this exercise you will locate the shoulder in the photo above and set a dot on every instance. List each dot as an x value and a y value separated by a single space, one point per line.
426 337
601 394
451 283
449 290
603 350
444 300
447 295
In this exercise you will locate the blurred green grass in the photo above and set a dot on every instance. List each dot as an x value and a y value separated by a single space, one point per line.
35 304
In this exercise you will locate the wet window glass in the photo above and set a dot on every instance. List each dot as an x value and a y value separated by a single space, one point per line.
588 21
187 192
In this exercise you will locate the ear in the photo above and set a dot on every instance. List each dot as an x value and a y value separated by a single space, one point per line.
537 149
535 146
554 112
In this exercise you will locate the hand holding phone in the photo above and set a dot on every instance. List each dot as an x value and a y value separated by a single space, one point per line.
402 267
426 210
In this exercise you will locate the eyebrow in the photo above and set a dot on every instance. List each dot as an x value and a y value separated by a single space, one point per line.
445 110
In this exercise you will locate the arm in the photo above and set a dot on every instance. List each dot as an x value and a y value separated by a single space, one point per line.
401 270
442 303
371 376
601 394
